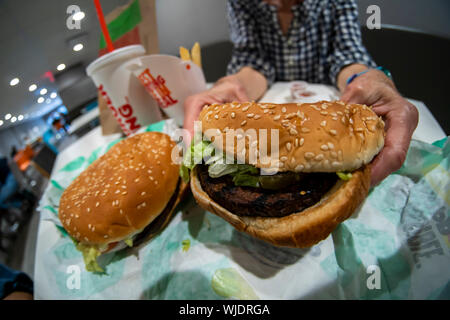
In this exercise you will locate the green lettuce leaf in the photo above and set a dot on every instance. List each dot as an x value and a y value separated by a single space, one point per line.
344 175
90 254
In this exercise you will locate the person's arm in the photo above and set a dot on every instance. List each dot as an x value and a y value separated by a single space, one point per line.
348 56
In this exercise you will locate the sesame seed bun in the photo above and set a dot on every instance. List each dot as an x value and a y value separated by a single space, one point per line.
122 192
313 137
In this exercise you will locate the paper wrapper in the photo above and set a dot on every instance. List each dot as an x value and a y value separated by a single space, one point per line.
396 246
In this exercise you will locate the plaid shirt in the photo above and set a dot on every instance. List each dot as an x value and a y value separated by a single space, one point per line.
324 37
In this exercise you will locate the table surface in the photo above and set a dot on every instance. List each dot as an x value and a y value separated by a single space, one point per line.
428 130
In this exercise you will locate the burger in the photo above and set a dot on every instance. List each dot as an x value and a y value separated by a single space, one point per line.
123 198
296 170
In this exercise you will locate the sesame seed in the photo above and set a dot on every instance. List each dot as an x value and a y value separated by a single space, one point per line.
305 130
309 155
256 117
88 209
323 123
300 167
336 163
250 115
243 123
97 204
283 109
333 132
283 158
233 115
324 113
302 140
277 117
324 147
288 146
330 145
245 108
143 193
216 116
293 132
319 157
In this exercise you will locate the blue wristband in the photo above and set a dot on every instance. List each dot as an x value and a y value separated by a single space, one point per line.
352 77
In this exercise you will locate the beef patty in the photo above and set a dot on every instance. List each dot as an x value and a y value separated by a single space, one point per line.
249 201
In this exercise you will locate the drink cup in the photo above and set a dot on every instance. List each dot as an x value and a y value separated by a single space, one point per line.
128 100
169 80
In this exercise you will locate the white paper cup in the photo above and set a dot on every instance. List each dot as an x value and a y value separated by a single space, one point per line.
169 80
131 105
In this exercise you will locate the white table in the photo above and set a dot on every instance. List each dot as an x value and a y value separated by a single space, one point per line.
428 130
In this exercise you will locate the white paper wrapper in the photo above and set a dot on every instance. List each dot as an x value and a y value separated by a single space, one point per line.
396 246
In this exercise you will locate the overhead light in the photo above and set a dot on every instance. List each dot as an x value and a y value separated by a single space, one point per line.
61 67
43 91
78 16
78 47
32 87
40 100
20 117
14 81
1 122
8 116
53 95
13 119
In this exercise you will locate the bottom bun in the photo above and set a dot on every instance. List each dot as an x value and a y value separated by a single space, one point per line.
302 229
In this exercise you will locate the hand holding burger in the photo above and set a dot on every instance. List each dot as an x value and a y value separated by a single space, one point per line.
321 163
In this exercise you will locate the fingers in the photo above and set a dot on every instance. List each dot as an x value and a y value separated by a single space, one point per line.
400 127
192 108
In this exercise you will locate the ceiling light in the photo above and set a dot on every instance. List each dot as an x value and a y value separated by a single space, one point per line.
1 122
78 16
20 117
32 87
53 95
43 91
8 116
40 100
14 81
13 119
61 67
78 47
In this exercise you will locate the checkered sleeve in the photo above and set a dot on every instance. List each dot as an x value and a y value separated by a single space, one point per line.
247 47
347 43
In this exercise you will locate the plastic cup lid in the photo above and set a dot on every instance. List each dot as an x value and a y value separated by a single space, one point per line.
111 57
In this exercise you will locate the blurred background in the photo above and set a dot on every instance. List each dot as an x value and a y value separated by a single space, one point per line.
47 102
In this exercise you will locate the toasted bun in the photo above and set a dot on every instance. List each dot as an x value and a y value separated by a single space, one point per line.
302 229
313 137
122 192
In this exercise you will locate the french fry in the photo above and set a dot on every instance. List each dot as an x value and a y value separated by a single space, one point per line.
184 54
196 54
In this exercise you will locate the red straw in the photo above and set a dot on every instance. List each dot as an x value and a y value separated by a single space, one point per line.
103 25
